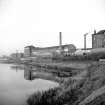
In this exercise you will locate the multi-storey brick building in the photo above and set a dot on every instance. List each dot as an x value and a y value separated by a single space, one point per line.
98 39
47 51
28 51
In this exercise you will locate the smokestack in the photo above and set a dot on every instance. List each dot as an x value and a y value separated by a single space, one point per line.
60 39
94 32
85 40
60 42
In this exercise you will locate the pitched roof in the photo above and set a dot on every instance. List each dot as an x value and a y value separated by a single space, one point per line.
101 32
30 46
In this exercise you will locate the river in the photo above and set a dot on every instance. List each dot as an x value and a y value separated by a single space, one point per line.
16 85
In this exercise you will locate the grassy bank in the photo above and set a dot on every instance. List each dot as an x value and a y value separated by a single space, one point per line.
88 90
52 97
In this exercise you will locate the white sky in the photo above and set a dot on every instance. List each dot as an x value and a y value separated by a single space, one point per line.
38 22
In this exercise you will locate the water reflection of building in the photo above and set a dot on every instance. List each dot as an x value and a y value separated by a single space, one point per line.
28 73
15 68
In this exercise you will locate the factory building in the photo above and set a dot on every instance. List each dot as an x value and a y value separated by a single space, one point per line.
28 50
48 51
98 39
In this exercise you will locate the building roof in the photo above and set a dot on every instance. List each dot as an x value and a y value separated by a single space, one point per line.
41 48
30 46
70 46
101 32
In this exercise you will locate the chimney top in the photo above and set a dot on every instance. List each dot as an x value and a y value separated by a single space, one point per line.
94 31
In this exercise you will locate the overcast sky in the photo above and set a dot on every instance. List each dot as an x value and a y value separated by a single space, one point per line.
38 22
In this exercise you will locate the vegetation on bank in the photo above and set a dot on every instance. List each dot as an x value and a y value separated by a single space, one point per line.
86 91
52 97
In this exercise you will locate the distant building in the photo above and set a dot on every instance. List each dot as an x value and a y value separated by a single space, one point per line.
16 55
98 39
28 51
48 51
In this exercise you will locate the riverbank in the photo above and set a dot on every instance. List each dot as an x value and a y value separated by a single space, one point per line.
61 68
84 85
85 88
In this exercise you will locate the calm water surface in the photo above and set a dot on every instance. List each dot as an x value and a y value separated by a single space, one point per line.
15 86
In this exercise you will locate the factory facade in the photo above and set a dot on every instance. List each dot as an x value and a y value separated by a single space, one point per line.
48 51
30 51
98 39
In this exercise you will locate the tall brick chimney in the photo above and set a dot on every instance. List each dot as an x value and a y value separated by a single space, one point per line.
60 41
85 41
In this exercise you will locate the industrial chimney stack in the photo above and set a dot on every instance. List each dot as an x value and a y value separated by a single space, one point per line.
60 41
85 41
